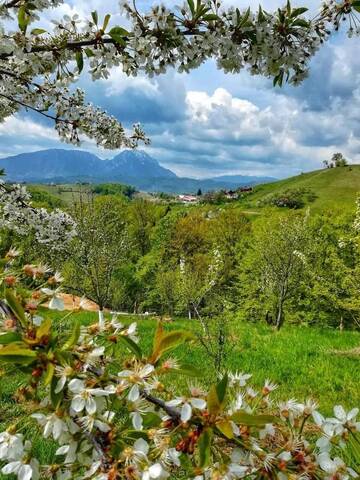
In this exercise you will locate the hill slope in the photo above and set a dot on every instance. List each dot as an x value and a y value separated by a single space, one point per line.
336 188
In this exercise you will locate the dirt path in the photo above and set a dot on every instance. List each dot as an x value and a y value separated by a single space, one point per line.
71 302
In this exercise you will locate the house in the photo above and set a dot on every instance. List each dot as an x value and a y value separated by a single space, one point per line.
231 195
188 198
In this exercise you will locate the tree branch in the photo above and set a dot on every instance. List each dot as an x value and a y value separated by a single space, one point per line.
173 413
34 109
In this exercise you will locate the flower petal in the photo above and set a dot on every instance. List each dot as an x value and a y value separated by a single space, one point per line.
186 412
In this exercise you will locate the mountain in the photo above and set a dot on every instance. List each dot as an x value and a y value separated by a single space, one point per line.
133 167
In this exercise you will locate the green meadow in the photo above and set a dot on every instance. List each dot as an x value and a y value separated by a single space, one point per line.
303 361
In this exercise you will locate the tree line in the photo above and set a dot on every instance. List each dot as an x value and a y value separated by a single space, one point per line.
206 261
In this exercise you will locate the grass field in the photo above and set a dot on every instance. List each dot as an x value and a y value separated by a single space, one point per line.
335 188
299 359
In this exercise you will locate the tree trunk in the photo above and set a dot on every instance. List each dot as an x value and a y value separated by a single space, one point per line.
341 326
280 315
101 319
189 314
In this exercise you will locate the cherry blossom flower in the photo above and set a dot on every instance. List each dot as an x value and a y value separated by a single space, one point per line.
85 398
53 425
24 470
239 378
11 446
187 404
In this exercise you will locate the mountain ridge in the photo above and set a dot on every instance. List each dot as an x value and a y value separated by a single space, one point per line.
133 167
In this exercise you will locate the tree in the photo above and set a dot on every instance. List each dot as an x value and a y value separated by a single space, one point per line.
274 264
142 219
338 160
199 192
97 251
38 67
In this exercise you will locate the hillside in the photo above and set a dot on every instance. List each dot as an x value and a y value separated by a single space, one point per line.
335 188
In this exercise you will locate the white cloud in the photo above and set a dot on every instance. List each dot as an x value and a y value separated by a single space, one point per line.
25 129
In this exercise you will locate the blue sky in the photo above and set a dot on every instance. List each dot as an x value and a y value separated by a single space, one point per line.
207 123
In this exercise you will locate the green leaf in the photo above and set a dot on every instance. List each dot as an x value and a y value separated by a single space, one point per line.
17 353
191 6
134 347
187 370
23 18
300 22
95 17
205 448
89 52
49 373
16 308
44 329
214 406
261 15
118 34
246 17
79 60
38 31
356 5
288 7
225 428
151 420
74 337
221 388
55 397
159 332
210 16
298 11
169 341
9 337
244 418
106 21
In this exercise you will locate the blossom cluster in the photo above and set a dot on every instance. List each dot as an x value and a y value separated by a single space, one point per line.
114 413
54 229
37 67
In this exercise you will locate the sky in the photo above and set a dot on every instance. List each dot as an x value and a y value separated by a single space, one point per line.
208 123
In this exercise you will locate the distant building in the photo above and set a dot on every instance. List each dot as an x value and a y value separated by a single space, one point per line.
231 195
188 199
